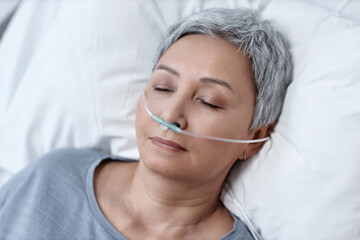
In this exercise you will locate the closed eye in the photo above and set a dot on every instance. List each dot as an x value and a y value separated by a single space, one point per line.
208 104
165 90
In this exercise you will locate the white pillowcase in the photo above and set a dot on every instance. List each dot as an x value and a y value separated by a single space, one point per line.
73 71
75 78
83 78
304 182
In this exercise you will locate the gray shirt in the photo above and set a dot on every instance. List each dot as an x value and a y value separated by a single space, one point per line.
53 198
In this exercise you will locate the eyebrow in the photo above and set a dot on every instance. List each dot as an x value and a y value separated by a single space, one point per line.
203 79
169 69
216 81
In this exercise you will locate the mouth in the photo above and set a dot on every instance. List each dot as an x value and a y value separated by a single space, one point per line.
167 144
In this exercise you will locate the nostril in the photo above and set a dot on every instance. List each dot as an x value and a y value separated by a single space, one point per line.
176 124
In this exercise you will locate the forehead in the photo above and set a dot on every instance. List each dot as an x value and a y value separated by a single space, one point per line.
195 56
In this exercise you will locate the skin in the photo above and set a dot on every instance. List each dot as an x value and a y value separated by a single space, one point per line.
206 86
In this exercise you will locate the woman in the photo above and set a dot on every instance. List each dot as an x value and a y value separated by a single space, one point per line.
220 73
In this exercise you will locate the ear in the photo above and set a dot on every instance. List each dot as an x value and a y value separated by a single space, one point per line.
261 132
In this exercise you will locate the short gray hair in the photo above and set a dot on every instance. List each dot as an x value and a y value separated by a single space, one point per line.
266 48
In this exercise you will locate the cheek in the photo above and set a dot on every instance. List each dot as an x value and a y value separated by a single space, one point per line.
224 127
214 157
140 123
217 150
137 117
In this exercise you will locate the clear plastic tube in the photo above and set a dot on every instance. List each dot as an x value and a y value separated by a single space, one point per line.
248 223
166 125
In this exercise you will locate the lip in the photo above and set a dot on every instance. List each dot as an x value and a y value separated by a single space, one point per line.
167 144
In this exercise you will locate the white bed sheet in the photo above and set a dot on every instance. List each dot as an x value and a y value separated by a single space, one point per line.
71 72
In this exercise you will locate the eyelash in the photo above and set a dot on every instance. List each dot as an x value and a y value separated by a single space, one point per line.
165 90
212 106
206 104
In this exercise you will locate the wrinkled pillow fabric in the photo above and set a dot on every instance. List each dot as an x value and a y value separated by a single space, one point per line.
81 83
75 78
303 183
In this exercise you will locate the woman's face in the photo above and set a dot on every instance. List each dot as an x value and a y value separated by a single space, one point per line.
205 85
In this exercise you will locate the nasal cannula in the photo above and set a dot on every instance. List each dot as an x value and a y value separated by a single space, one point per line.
164 125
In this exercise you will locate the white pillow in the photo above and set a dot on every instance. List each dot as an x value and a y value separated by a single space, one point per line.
83 78
304 182
83 74
72 72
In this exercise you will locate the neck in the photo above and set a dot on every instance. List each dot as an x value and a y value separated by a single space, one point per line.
166 202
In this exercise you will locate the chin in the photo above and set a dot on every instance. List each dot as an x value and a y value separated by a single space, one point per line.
166 163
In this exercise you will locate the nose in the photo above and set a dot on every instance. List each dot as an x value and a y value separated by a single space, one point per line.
176 124
174 112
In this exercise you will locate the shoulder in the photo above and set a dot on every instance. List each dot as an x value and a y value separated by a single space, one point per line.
69 155
49 196
58 167
239 232
68 160
66 166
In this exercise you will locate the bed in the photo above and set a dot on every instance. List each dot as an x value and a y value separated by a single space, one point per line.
71 73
